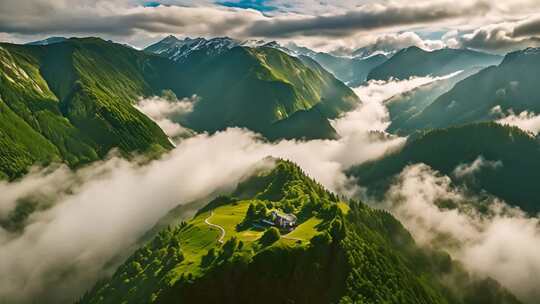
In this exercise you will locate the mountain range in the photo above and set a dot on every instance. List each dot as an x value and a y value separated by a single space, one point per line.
516 152
511 85
414 61
73 100
76 100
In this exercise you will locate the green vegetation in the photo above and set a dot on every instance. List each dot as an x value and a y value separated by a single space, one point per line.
445 149
72 101
259 88
512 85
404 108
352 71
414 61
270 236
338 254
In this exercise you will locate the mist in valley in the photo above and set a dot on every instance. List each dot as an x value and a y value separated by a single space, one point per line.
87 221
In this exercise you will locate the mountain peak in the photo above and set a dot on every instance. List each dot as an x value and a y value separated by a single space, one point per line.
521 55
170 39
178 50
412 48
47 41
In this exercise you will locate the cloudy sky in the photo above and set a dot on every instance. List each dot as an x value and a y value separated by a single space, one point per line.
496 26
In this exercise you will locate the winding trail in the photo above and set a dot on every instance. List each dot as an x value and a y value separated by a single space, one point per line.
291 238
222 236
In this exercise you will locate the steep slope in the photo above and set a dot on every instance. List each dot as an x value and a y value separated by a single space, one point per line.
414 61
352 71
511 85
258 87
514 180
75 99
338 253
48 41
406 107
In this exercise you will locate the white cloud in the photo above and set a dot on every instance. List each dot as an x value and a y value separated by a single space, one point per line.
381 90
348 23
502 243
504 36
469 170
109 205
167 113
527 121
98 213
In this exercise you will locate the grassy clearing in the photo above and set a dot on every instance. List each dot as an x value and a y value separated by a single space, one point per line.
306 230
197 238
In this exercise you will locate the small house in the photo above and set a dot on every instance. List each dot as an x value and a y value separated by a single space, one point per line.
284 221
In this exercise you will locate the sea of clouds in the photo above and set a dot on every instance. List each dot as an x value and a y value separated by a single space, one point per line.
94 217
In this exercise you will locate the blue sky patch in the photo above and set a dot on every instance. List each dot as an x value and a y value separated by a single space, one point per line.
151 4
260 5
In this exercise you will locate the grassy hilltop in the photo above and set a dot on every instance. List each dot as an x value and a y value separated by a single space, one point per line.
338 253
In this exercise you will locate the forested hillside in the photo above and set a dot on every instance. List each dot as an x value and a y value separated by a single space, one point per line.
414 61
72 101
513 180
338 253
512 85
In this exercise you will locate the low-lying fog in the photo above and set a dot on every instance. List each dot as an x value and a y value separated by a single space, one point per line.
96 215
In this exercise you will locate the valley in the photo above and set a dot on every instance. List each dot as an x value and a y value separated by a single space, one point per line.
267 152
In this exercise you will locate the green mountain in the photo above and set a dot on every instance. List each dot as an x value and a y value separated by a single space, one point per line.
406 107
72 101
511 85
48 41
337 253
352 71
261 89
445 149
414 61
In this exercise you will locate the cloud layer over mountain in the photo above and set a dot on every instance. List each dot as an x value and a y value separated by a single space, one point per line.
500 242
88 220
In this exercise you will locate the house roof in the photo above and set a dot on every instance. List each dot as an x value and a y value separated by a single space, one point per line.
287 216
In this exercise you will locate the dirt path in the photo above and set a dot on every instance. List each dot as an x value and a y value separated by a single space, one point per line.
291 238
222 236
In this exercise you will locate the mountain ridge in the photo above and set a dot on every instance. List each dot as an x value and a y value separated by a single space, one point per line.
510 86
420 63
338 253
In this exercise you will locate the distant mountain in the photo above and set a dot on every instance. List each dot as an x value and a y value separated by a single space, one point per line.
369 51
414 61
259 88
406 107
346 253
72 101
178 50
48 41
515 180
351 70
256 85
511 85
